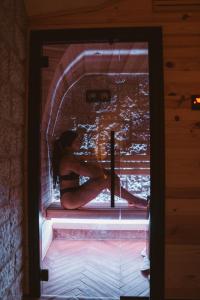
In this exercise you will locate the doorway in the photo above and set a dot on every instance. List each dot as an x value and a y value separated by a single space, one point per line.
107 84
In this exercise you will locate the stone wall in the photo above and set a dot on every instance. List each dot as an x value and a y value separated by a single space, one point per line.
12 132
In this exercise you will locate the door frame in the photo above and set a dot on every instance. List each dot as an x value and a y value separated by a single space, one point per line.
152 35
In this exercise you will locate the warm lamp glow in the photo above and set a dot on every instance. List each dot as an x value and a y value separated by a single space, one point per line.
197 100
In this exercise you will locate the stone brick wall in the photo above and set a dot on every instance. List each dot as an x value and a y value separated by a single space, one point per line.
12 132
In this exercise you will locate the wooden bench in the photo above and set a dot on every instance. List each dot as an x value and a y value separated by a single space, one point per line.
55 210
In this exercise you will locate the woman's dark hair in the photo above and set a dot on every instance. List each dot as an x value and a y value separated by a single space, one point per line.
65 140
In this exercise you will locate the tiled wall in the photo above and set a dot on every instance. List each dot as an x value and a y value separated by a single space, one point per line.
12 132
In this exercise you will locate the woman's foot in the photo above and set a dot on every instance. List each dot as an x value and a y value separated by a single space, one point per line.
145 268
138 202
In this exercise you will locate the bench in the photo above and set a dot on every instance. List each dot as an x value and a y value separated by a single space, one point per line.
97 211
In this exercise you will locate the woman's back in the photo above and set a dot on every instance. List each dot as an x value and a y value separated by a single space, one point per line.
67 177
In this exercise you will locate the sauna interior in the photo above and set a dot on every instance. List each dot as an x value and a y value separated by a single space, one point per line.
179 21
113 128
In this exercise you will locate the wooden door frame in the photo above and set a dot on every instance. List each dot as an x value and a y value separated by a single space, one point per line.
152 35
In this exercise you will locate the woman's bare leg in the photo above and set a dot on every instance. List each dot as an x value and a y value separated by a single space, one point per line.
123 193
84 193
92 188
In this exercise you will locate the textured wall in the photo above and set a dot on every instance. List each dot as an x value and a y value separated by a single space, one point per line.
12 99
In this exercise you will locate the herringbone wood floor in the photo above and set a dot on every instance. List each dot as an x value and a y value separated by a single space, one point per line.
95 269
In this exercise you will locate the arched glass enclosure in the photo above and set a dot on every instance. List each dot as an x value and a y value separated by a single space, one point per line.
99 89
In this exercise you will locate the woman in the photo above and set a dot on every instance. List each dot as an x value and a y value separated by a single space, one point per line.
67 168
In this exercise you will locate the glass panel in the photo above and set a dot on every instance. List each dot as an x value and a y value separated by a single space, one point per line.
94 89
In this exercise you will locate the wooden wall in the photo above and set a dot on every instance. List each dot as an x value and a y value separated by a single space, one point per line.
181 31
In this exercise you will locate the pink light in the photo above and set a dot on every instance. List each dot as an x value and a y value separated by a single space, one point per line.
100 224
101 221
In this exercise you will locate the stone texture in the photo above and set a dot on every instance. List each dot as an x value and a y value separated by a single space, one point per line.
20 140
16 172
10 247
19 43
7 139
17 74
12 108
5 96
16 214
17 108
7 4
7 14
16 196
4 179
7 276
15 291
13 279
4 243
4 214
4 62
117 114
18 259
20 15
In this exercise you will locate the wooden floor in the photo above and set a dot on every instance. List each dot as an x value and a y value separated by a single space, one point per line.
94 269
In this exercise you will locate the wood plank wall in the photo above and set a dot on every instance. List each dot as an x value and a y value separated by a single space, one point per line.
181 42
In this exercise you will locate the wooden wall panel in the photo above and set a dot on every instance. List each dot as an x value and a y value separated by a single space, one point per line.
182 221
181 40
182 271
